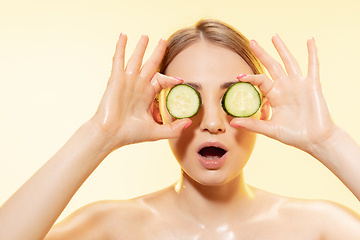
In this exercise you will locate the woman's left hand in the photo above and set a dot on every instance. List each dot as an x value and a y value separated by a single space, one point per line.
300 116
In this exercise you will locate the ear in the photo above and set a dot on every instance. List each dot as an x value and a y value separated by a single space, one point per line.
155 112
265 110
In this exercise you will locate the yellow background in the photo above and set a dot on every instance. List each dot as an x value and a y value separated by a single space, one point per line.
55 59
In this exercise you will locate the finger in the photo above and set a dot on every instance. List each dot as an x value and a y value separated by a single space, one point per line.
313 68
274 68
135 61
253 125
152 64
264 83
172 130
160 81
119 56
291 65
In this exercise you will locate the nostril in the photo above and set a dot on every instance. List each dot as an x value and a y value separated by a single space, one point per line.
214 130
221 130
213 120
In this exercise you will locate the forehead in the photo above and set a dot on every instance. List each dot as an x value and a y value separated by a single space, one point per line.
205 62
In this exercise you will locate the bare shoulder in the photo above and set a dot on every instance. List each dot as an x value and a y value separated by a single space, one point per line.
328 220
338 221
103 220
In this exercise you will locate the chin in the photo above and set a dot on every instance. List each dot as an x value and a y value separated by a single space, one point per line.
210 178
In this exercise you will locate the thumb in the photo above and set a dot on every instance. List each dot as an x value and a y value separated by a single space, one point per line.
172 130
253 125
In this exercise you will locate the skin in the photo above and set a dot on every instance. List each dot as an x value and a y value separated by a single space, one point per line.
211 70
203 204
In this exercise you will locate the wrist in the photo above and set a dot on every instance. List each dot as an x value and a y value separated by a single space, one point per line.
103 141
327 148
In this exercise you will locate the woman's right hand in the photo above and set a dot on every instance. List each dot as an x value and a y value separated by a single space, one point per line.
124 114
123 117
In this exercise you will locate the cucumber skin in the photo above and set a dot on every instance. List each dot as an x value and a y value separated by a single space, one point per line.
224 97
197 93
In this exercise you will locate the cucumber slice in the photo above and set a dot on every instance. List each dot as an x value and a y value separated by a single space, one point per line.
183 101
241 100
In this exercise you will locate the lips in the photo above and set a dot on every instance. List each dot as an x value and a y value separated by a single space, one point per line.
212 155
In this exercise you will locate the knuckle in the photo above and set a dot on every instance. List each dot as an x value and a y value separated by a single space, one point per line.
130 74
117 57
262 76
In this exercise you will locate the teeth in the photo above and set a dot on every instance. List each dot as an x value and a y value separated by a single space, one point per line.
213 157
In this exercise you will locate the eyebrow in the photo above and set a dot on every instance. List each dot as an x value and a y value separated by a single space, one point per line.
198 86
227 84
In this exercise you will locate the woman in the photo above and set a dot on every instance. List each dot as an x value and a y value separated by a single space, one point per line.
211 200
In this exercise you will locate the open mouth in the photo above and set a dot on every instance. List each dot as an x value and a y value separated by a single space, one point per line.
212 152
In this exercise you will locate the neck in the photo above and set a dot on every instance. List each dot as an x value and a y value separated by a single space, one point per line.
213 202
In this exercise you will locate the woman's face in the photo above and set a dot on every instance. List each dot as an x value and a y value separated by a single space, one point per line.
210 151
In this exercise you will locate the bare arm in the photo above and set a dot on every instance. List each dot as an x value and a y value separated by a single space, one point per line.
123 118
341 155
300 116
34 208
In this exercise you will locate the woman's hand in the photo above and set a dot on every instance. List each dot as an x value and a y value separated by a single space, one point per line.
124 114
300 116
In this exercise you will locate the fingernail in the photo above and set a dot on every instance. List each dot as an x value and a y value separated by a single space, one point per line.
161 39
179 79
120 35
252 40
188 124
234 125
241 76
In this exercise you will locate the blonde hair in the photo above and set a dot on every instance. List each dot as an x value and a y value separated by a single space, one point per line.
215 32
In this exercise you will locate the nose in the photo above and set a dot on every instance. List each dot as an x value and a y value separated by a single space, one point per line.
213 120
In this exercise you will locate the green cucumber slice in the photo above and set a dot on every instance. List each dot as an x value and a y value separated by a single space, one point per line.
241 100
183 101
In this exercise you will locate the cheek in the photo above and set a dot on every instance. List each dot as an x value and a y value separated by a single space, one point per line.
182 145
245 143
241 142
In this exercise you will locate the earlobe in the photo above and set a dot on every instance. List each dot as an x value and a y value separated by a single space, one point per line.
265 110
155 112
